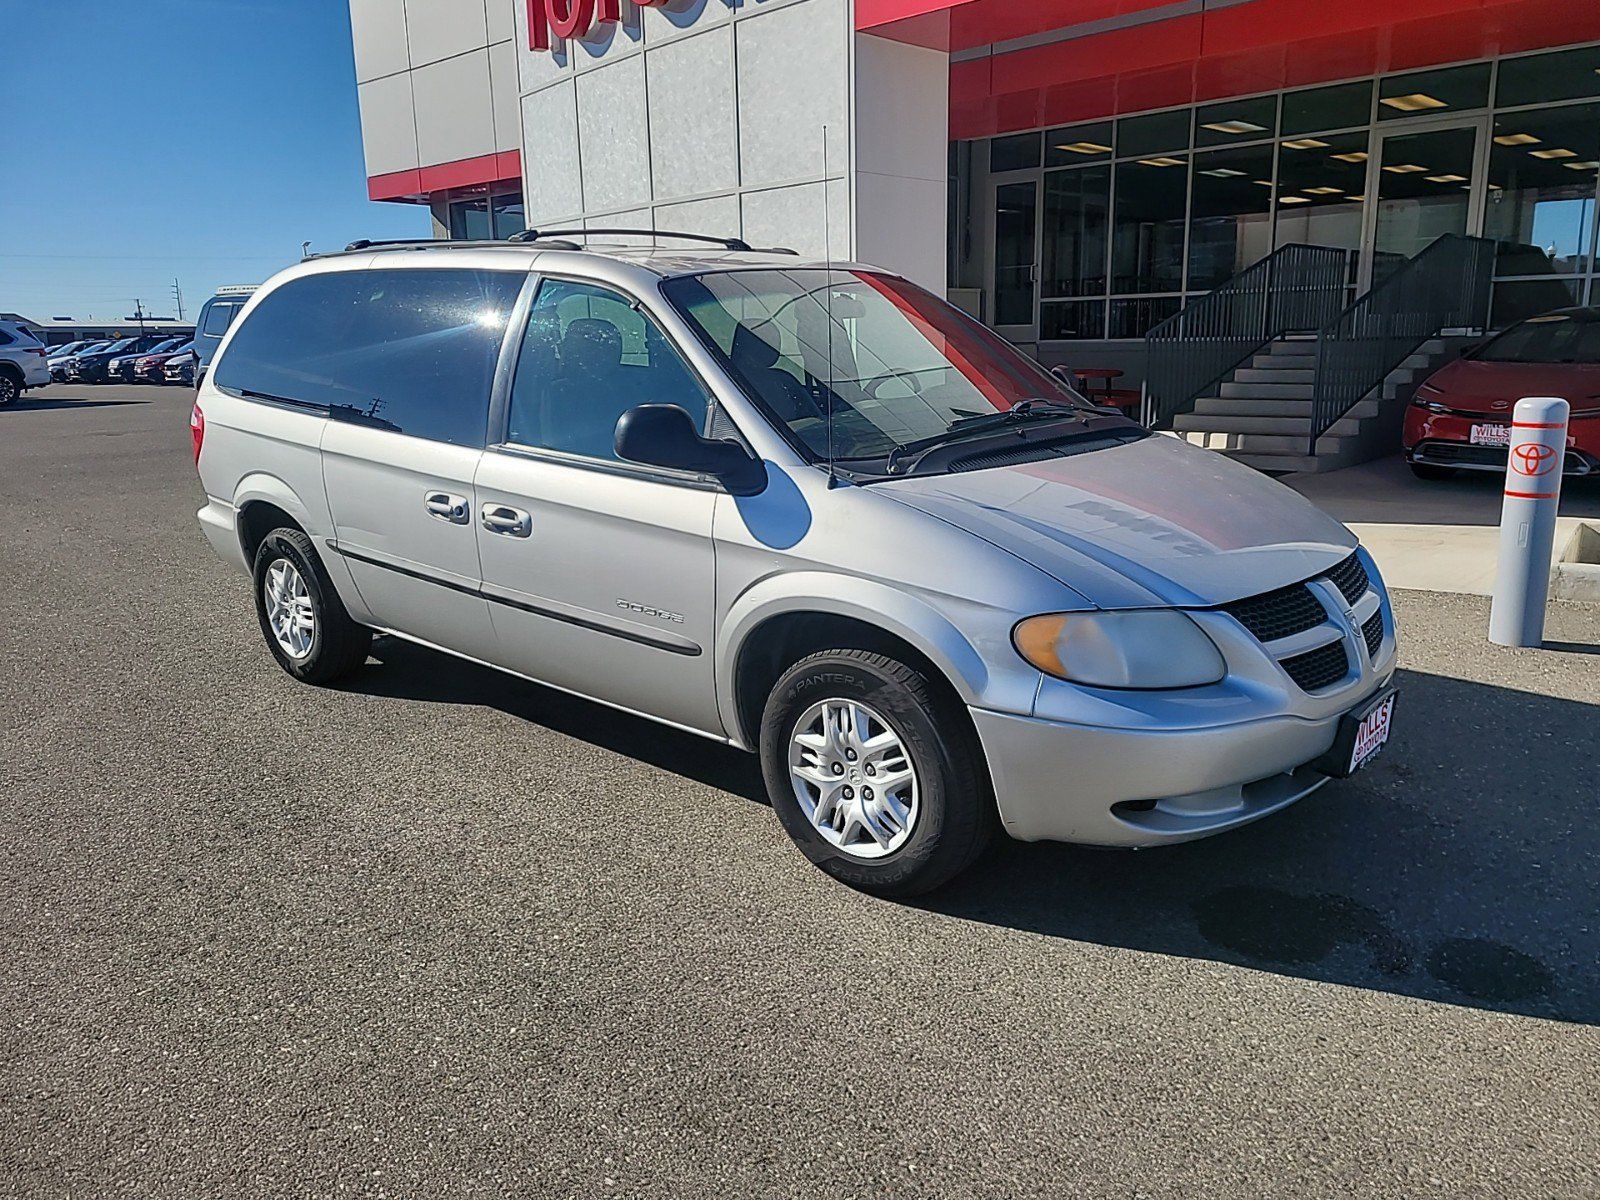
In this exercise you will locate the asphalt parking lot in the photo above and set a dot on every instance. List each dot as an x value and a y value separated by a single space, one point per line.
442 932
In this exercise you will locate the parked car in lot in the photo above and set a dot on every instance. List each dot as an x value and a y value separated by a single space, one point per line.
147 367
811 511
1460 418
180 367
212 323
121 369
95 366
68 348
24 362
61 364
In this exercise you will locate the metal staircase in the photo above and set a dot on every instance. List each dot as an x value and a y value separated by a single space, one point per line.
1319 401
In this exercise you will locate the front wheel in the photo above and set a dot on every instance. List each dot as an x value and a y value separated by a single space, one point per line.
875 773
10 388
304 621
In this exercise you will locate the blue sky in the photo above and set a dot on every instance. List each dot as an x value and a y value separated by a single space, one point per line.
202 139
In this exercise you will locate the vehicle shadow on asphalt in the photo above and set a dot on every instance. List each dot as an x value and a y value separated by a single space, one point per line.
1463 866
63 402
406 671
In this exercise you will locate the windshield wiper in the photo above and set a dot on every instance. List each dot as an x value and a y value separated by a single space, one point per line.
1023 410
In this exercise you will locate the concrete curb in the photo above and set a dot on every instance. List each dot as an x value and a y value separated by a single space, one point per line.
1576 576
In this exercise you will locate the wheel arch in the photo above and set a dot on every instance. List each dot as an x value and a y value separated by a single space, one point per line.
265 502
776 624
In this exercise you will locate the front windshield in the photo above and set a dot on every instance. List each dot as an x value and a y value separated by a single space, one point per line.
122 345
902 365
1554 338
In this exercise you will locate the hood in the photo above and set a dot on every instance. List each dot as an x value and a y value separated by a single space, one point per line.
1470 383
1148 524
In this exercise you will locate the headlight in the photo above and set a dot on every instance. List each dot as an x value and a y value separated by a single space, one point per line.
1154 649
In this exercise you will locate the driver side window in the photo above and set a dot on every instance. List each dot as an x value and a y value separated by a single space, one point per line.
588 356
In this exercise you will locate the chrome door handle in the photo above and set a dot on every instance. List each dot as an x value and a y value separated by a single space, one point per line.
503 519
442 506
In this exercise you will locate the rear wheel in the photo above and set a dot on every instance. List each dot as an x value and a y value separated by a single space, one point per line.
304 621
1432 473
875 773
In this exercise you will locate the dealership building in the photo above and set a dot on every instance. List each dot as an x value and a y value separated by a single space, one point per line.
1103 181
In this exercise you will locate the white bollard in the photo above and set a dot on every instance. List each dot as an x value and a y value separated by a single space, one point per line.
1528 521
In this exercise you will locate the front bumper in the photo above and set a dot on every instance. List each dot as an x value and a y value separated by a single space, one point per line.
1105 786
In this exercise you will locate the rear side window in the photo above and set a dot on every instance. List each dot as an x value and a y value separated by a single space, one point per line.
5 338
412 351
219 315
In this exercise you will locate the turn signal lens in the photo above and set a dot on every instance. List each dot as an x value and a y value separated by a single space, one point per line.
197 430
1153 649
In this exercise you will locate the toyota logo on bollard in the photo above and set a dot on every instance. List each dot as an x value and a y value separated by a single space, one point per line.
1533 458
567 19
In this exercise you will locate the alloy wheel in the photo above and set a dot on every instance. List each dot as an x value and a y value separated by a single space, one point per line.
853 778
289 609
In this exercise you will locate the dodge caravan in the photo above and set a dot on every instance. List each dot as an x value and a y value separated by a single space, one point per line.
806 509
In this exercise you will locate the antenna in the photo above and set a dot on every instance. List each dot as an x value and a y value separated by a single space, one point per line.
827 290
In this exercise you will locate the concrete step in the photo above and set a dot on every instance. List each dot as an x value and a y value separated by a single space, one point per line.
1266 391
1297 347
1274 375
1255 423
1267 360
1265 443
1225 406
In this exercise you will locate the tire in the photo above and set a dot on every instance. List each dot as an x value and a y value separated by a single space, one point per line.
10 388
953 816
1432 473
337 645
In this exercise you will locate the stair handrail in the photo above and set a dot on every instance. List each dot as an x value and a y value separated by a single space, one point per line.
1297 287
1445 285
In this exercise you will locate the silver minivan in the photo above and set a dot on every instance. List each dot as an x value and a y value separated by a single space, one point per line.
808 509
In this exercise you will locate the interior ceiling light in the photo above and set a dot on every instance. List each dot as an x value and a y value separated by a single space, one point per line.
1293 200
1161 162
1353 156
1405 168
1323 191
1355 197
1517 139
1235 127
1222 172
1085 148
1262 182
1581 166
1415 102
1446 178
1557 152
1306 144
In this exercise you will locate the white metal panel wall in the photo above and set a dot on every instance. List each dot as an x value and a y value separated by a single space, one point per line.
455 108
388 123
699 114
378 29
440 29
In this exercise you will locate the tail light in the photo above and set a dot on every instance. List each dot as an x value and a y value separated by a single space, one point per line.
197 430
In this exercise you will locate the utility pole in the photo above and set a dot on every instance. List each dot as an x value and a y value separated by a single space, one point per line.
138 315
177 295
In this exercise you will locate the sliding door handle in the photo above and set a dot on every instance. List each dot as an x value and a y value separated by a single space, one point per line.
442 506
507 521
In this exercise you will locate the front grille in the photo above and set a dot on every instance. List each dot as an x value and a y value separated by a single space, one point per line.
1460 452
1373 632
1279 614
1319 668
1350 577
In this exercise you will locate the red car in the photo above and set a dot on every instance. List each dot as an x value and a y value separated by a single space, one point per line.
1461 417
148 368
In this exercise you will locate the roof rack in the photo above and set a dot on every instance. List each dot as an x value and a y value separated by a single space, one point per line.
539 235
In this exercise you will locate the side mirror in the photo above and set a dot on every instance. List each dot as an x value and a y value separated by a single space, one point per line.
664 435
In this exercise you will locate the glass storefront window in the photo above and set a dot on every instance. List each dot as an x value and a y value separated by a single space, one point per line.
1015 153
1540 78
1075 219
1236 121
1320 190
1147 225
1153 133
509 217
1135 317
1077 144
1072 320
1453 89
1541 201
1342 106
1514 299
1015 210
1230 215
